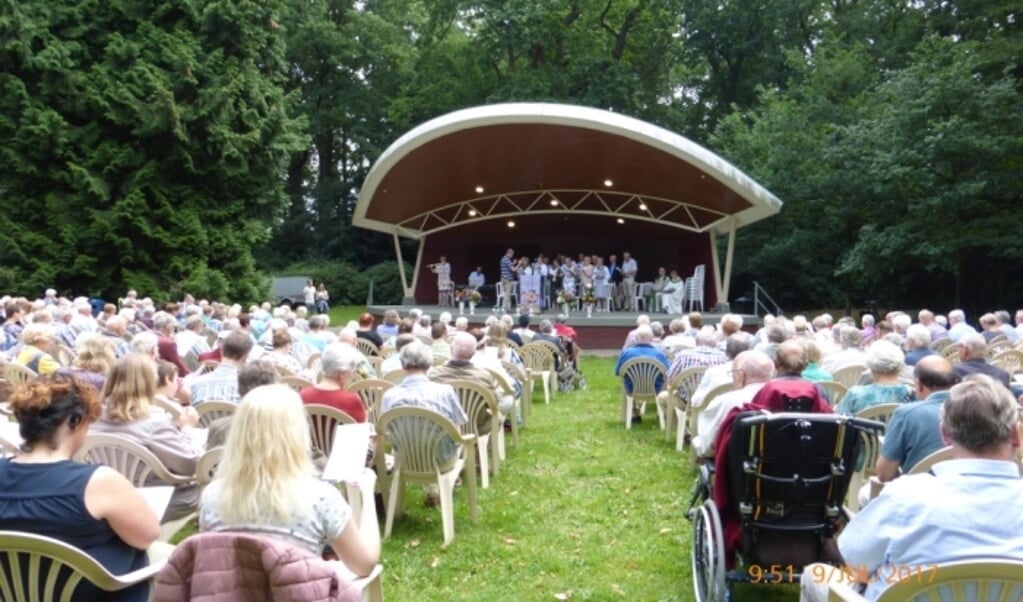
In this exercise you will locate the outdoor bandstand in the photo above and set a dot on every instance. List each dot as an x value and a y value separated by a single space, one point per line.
557 179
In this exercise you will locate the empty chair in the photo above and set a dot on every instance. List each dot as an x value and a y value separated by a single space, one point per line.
370 391
322 422
485 422
210 411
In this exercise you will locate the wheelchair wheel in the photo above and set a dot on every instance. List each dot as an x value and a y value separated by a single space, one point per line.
708 555
582 383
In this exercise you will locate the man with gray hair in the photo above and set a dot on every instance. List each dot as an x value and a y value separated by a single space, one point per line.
547 334
918 344
145 343
706 353
633 335
643 348
114 331
957 325
1005 326
416 390
748 372
461 368
849 339
721 374
968 507
973 359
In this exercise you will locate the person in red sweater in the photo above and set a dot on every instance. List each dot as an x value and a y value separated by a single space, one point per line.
339 362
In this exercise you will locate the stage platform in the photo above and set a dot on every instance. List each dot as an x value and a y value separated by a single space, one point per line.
601 331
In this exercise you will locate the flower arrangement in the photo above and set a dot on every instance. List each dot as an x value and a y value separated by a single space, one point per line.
589 296
565 296
475 296
531 298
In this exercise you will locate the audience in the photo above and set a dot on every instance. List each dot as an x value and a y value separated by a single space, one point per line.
721 374
222 383
751 369
885 362
912 432
417 390
36 347
339 365
461 368
643 347
128 412
88 506
96 356
266 484
967 507
973 359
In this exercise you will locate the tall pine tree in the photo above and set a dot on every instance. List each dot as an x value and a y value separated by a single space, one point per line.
142 144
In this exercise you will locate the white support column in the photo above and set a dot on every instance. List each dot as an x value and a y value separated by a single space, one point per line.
716 264
728 257
415 269
401 264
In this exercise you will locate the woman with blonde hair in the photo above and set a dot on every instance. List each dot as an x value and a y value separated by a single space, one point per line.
36 346
129 412
266 484
497 339
96 356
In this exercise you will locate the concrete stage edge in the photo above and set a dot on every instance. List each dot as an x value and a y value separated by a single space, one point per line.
602 331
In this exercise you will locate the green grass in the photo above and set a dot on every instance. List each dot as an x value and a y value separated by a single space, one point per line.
583 509
342 314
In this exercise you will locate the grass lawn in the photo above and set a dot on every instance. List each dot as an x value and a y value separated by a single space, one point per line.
582 510
341 314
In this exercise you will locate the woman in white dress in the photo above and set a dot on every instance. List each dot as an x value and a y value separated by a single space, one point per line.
601 289
529 292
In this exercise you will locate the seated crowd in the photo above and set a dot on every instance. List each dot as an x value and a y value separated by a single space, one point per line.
144 374
909 369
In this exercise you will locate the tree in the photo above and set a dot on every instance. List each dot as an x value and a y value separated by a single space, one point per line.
142 144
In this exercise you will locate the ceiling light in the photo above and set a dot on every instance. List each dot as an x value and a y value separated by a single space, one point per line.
554 202
472 213
511 223
621 221
479 190
642 206
608 183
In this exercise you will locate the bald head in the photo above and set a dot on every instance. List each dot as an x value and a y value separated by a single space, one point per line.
933 373
347 335
644 334
753 367
463 346
789 358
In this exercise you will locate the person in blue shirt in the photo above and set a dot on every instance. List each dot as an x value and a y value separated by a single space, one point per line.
968 507
644 347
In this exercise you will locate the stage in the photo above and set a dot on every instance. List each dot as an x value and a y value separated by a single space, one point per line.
601 331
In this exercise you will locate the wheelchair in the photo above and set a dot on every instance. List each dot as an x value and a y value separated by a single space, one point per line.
788 475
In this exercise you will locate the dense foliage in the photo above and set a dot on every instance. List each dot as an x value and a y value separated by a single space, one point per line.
158 143
141 144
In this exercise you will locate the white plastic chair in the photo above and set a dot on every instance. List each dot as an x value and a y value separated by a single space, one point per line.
212 410
974 579
371 392
29 554
643 373
323 420
540 366
694 287
418 435
480 405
